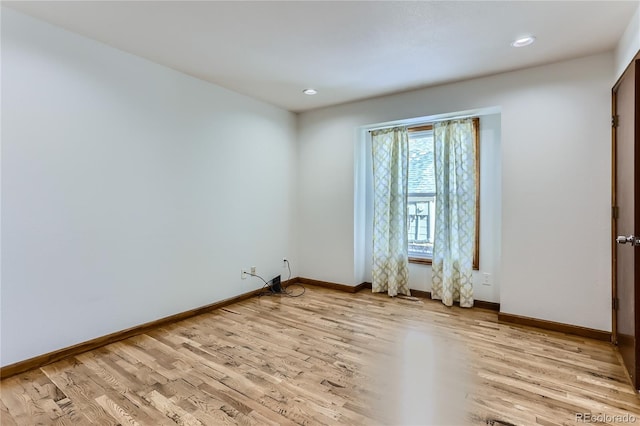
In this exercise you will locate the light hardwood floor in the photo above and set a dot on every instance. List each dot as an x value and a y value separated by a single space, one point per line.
330 358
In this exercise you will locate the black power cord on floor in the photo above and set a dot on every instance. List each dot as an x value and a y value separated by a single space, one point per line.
284 291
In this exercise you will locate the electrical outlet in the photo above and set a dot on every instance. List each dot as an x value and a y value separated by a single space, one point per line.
253 270
284 262
243 274
486 278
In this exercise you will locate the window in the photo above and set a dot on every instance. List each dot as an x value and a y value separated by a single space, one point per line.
422 195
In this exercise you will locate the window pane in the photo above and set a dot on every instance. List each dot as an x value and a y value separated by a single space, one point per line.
421 224
421 202
421 174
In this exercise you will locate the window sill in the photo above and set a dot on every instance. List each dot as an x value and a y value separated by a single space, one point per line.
421 261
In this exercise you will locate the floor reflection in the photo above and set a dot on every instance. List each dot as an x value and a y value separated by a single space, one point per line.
426 381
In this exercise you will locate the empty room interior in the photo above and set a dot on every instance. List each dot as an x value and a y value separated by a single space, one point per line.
319 213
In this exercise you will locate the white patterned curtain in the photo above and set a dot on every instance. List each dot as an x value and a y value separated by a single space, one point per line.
455 169
390 239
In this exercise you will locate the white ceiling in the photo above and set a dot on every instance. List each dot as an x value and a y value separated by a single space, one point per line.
346 50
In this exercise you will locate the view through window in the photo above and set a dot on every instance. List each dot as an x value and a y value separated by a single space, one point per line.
422 194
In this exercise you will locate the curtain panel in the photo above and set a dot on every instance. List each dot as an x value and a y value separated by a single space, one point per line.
455 224
390 149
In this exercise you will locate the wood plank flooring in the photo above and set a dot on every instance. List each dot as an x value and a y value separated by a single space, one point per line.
328 358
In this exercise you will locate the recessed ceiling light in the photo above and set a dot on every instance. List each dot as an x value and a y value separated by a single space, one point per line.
523 41
309 91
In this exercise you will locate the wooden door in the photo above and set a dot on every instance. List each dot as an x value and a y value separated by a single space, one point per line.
626 224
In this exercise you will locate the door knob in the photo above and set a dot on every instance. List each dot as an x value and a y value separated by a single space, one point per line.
628 240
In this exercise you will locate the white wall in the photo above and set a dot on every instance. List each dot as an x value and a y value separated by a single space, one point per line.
129 191
555 201
629 44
